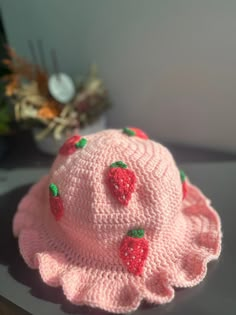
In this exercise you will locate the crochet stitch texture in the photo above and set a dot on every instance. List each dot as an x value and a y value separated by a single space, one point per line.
80 250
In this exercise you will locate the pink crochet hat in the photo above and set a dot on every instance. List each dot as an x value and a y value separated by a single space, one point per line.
116 222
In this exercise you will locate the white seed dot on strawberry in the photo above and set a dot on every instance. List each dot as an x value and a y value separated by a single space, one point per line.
131 249
127 185
123 196
116 187
141 250
133 257
126 254
128 263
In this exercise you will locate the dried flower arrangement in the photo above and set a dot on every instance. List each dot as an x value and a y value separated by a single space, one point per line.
34 106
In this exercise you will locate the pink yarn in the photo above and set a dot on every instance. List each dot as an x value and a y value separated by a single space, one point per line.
80 252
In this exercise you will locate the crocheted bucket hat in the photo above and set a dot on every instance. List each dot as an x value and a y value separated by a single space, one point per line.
116 222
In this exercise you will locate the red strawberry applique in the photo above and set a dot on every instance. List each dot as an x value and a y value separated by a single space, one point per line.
184 184
69 146
134 251
121 181
132 131
56 204
72 144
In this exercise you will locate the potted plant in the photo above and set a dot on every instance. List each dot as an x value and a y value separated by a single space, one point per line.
5 127
41 106
6 121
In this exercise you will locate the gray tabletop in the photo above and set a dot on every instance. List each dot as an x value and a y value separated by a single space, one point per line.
215 295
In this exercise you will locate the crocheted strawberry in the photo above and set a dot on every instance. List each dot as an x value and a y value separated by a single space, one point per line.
72 144
121 181
55 201
184 184
134 251
132 131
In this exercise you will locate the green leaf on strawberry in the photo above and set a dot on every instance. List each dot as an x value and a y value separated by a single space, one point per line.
182 175
184 183
136 233
54 189
129 132
132 131
119 164
81 143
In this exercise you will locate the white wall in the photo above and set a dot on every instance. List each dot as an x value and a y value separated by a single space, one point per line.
169 65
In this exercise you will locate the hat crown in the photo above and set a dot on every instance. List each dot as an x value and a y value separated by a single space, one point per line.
92 215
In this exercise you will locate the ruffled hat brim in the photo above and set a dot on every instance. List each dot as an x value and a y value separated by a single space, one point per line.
112 291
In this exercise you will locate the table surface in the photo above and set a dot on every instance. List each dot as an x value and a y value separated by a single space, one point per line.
215 295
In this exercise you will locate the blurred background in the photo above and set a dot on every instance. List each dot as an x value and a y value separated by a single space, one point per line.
169 67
